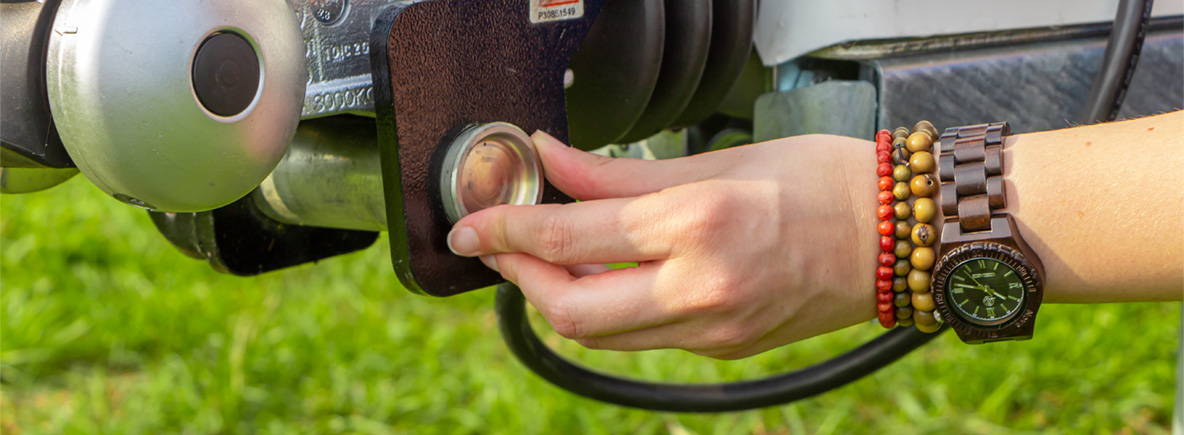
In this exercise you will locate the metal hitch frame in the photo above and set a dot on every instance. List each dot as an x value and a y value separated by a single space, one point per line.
439 66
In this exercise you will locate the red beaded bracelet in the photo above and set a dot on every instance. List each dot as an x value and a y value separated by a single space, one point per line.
885 306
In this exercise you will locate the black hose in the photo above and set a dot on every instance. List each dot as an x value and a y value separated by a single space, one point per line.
735 396
1118 64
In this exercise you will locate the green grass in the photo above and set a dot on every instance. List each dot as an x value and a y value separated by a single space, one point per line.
104 327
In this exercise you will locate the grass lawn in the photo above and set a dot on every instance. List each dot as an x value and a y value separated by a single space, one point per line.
104 327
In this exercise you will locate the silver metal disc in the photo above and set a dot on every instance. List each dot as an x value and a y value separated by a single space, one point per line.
490 165
120 79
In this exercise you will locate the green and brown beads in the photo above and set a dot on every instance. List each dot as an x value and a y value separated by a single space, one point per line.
923 235
913 183
902 248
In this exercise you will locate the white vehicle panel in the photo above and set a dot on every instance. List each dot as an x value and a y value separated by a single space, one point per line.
786 29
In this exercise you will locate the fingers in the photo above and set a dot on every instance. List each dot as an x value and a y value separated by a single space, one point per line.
591 232
576 270
606 303
587 176
612 225
629 310
658 337
744 352
719 340
582 270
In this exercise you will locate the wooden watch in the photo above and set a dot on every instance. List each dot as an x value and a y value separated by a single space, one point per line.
987 283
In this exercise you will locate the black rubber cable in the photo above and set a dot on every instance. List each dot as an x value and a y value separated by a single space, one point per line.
734 396
1118 64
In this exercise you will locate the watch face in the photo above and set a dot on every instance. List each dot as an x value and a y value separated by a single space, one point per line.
985 291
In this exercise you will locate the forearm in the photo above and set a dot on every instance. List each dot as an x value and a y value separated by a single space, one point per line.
1103 207
747 249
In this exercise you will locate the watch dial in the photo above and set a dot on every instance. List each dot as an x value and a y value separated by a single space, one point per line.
985 291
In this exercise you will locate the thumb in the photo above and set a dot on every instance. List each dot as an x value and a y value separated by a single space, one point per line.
586 176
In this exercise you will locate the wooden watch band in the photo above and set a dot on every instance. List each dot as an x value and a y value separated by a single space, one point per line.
970 168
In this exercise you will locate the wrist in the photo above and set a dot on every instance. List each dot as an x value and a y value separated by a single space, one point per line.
862 193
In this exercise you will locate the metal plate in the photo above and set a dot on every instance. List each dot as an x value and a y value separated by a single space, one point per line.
442 65
337 41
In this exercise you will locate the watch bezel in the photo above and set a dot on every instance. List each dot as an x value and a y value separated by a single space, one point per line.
969 318
1018 327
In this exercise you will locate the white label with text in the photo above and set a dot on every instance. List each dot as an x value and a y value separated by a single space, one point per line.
545 11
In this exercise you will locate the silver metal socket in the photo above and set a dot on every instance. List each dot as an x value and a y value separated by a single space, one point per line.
489 165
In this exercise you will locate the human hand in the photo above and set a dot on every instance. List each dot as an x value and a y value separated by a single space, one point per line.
739 251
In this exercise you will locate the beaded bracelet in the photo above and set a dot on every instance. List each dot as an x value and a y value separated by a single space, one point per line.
906 166
886 213
918 148
902 248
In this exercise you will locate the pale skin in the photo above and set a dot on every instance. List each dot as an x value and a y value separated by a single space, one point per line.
751 248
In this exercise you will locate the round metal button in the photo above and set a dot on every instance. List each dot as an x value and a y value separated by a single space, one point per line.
226 74
489 165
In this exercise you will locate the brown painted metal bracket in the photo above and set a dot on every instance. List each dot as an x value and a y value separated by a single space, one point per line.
441 65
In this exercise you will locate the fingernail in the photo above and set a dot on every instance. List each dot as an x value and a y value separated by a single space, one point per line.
463 241
541 138
490 262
